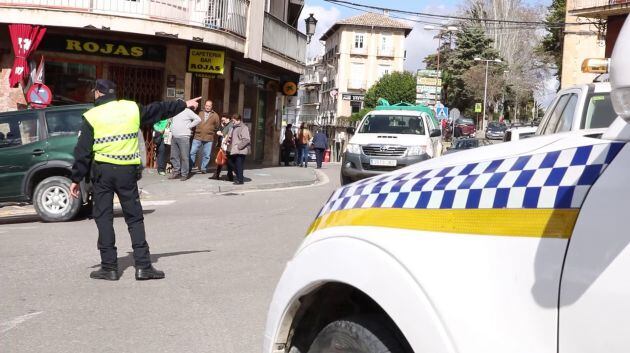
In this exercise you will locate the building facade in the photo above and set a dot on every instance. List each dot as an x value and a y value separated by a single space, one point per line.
309 94
228 51
595 36
359 51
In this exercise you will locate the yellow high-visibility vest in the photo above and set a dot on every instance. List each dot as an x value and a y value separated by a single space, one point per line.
116 126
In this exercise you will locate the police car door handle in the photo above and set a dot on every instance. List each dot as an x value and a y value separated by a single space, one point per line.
38 152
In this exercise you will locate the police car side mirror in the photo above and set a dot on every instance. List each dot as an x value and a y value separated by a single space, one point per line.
619 74
435 133
350 130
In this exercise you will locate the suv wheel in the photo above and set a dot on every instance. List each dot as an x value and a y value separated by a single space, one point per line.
53 202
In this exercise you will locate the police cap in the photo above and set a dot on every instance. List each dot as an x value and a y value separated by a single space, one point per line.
105 86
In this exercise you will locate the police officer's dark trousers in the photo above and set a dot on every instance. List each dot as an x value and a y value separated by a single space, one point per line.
108 179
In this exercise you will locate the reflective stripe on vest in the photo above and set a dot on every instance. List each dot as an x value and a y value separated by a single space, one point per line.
116 126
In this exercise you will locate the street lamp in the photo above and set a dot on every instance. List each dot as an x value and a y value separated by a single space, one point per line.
485 88
311 23
441 30
505 72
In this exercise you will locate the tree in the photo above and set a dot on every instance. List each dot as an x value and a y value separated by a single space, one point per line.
395 87
471 43
551 44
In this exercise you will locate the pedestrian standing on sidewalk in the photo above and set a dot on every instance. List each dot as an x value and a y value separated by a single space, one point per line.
181 128
320 143
204 136
221 142
304 139
160 145
288 144
238 146
108 147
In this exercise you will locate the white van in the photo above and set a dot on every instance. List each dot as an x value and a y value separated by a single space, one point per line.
389 138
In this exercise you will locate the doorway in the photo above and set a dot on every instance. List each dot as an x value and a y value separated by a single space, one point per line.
261 115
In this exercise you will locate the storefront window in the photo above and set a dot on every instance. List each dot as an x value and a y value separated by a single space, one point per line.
70 83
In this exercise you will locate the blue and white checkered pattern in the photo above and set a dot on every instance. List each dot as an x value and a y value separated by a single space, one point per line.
558 179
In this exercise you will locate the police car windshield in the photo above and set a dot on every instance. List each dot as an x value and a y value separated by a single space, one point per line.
392 124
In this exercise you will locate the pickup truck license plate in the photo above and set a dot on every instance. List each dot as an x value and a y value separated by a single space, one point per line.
383 162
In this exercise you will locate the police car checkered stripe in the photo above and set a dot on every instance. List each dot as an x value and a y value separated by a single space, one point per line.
115 138
127 157
558 179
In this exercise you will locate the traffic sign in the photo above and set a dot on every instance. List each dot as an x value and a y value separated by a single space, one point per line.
478 108
454 114
442 112
39 95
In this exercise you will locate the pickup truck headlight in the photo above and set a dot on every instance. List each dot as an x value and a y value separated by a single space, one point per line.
353 148
416 150
621 102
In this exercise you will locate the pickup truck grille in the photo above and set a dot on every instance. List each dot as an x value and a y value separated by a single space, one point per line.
388 151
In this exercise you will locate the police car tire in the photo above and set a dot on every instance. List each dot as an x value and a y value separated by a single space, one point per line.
364 334
69 213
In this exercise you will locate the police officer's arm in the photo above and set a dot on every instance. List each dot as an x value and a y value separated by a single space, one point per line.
154 112
82 157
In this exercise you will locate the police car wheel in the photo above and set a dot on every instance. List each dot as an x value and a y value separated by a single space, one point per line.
361 334
53 202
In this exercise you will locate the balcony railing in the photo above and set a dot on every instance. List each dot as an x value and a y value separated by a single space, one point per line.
387 52
588 4
224 15
284 39
309 100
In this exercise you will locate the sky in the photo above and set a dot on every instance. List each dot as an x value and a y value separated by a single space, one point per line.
418 44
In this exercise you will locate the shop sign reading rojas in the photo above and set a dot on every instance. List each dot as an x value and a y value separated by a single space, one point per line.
206 61
111 48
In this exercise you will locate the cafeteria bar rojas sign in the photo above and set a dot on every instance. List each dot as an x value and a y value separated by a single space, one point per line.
111 48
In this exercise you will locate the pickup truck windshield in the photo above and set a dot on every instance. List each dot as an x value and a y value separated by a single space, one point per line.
392 124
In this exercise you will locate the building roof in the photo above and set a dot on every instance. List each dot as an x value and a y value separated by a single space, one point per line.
368 19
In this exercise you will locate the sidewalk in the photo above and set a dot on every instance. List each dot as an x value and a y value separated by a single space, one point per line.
157 187
257 177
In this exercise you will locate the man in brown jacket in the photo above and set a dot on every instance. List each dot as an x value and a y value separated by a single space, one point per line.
204 136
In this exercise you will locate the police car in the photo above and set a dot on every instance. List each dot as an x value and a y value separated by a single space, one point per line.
519 247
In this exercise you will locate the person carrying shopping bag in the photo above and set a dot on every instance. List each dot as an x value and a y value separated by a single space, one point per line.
239 147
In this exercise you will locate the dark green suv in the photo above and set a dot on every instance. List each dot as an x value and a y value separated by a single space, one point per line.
36 156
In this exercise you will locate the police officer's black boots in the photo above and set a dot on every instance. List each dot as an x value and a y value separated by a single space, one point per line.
143 274
106 274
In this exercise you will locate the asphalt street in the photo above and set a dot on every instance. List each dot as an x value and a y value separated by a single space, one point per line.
222 255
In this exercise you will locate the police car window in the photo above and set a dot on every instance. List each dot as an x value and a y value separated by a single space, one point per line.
555 115
392 124
17 130
599 112
566 119
65 122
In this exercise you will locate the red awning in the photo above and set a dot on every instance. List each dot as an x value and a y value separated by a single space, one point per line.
25 39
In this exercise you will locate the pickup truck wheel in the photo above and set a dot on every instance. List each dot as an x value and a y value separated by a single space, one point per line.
345 180
360 334
53 202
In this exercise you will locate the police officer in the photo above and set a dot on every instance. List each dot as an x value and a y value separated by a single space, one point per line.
109 142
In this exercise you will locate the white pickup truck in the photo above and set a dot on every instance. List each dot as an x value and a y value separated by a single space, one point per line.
580 107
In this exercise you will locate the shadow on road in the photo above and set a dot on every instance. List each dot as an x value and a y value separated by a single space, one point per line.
34 218
127 261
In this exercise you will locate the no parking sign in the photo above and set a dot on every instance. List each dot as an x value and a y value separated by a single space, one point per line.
39 95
